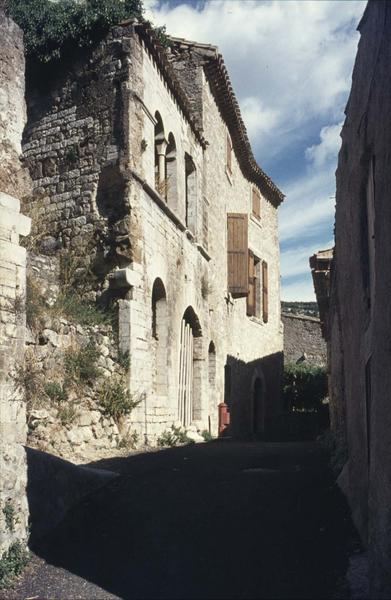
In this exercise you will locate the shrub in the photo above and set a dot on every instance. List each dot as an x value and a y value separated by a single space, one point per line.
124 360
304 387
174 437
67 414
12 563
53 29
208 437
77 310
129 441
80 365
28 378
115 399
56 391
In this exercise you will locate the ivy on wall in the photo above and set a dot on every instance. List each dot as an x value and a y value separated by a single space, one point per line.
54 28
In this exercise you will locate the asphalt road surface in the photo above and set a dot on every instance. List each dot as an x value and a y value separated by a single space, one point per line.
217 520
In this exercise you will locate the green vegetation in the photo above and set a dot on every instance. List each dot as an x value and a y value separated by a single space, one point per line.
174 437
80 365
67 414
304 387
57 29
54 29
310 309
208 437
9 514
56 391
12 563
77 310
129 441
124 360
115 399
69 304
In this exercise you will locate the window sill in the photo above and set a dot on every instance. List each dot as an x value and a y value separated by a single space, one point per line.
256 220
257 320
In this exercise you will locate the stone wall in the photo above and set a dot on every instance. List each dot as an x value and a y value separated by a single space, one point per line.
74 145
13 186
303 340
360 319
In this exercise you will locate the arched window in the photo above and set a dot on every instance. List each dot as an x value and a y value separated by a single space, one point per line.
160 153
191 194
171 173
160 337
212 365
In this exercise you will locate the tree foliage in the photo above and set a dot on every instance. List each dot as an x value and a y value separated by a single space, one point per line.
304 387
53 28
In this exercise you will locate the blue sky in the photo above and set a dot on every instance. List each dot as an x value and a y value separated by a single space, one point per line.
290 63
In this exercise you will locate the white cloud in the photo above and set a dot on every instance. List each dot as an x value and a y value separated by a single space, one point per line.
330 143
295 261
302 290
309 205
289 62
258 118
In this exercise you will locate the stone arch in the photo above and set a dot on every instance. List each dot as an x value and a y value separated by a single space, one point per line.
160 337
190 369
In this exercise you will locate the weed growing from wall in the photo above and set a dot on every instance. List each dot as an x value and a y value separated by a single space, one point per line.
9 514
56 391
80 365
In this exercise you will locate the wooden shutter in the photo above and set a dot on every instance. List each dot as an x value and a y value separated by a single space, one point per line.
256 203
237 247
229 153
265 293
251 285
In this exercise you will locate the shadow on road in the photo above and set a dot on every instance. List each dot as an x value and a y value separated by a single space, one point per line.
217 520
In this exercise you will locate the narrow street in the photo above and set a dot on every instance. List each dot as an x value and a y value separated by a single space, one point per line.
217 520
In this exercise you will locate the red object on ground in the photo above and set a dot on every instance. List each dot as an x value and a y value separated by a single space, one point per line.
224 417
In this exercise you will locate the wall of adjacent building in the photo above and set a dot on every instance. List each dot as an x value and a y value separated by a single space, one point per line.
14 185
360 321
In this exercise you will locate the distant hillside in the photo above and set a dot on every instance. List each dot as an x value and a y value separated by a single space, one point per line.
301 308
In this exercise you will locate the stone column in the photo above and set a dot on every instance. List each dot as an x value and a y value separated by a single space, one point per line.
161 147
14 184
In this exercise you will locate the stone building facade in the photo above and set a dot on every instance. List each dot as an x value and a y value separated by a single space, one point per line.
141 163
358 322
14 185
